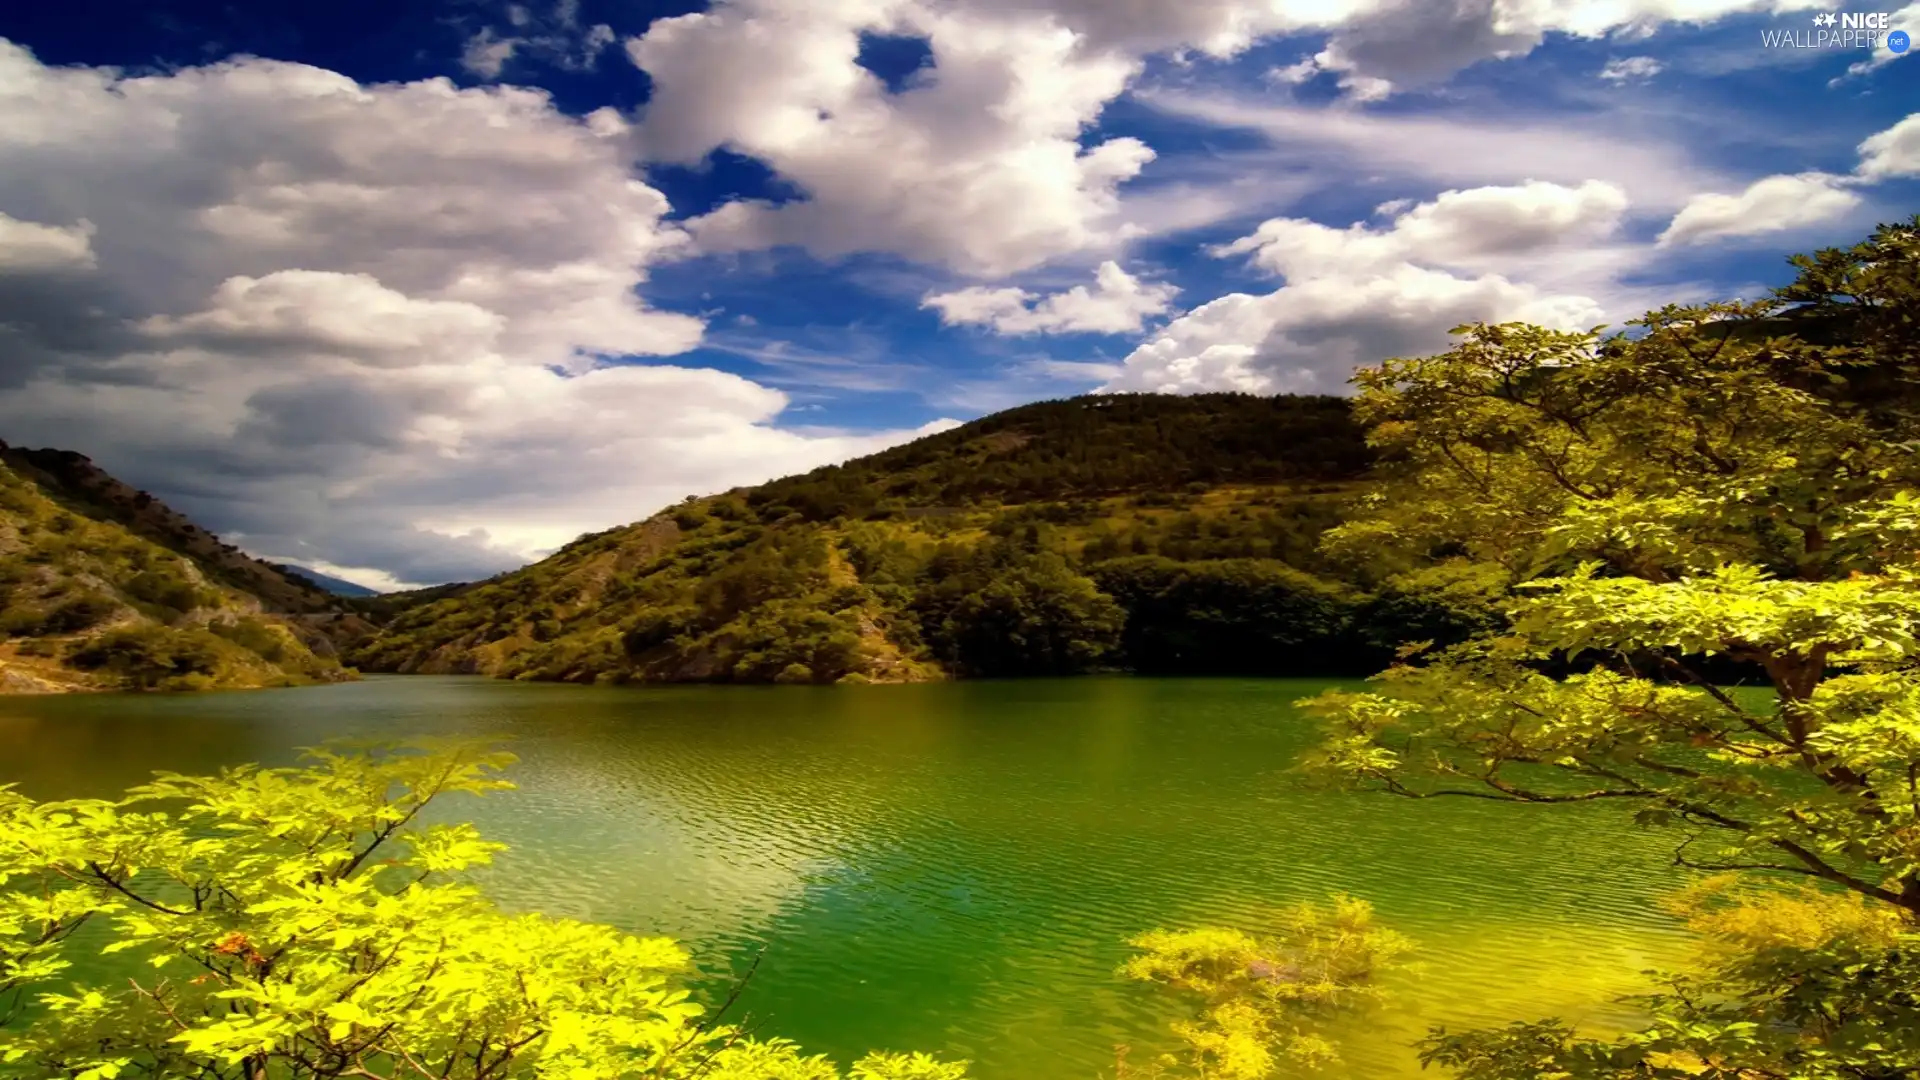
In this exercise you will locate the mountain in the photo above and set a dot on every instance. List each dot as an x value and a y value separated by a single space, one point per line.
1144 532
104 587
327 583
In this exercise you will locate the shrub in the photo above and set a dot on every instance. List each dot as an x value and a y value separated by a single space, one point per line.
82 612
255 635
168 590
150 657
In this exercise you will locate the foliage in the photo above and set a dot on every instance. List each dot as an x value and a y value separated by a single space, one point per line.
998 610
86 493
307 923
150 657
1804 984
1699 489
1100 445
971 552
122 611
1230 616
1256 999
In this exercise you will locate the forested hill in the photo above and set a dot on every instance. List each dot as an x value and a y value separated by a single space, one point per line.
85 488
102 587
1093 446
1141 532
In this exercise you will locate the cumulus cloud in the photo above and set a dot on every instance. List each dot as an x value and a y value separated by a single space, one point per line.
1797 200
978 163
1474 229
977 167
375 328
27 246
1119 303
1893 152
1361 294
1771 204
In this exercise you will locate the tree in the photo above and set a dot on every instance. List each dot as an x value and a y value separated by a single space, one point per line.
1014 613
1245 616
1696 489
304 923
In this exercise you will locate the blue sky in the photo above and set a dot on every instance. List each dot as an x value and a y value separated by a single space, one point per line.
415 292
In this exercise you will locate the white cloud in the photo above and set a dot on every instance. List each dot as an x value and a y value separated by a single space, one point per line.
1771 204
1119 303
1358 295
554 38
1309 337
28 246
1893 152
1796 200
1481 228
1377 47
356 326
1463 147
486 53
314 313
1296 73
1631 69
977 167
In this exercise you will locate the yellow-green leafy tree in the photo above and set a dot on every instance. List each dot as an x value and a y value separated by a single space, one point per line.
1726 491
305 923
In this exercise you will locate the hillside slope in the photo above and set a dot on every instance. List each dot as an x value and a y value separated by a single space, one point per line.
1134 531
85 488
89 602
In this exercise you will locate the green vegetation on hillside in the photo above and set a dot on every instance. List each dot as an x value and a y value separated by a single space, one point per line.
1166 534
88 604
80 486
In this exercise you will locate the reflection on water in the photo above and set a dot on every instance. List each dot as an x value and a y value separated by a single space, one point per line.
953 867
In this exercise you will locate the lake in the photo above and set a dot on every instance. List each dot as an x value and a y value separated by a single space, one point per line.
956 867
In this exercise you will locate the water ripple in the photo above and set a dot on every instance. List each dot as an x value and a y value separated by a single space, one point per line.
957 867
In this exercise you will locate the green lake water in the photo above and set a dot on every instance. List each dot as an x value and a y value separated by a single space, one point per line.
955 867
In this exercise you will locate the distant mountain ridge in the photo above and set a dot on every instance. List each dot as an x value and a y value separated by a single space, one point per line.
104 587
1147 532
327 583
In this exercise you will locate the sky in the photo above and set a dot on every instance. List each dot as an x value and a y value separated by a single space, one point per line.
417 291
